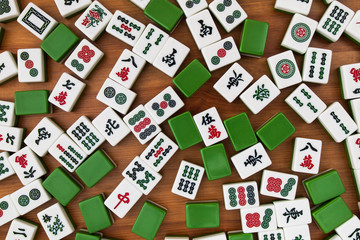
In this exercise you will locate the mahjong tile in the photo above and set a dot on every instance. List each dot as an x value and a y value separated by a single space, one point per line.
260 94
123 198
67 152
36 21
141 175
171 56
293 212
176 238
142 124
66 92
306 155
297 232
203 29
140 3
164 105
210 126
278 185
190 7
355 110
8 66
42 137
22 230
251 160
150 43
7 114
272 234
352 144
11 138
337 122
349 230
84 59
334 21
213 236
159 152
258 219
6 169
127 68
233 82
356 179
284 69
294 6
31 65
68 8
316 67
8 210
83 133
9 10
353 28
111 126
116 96
241 195
350 80
188 179
125 28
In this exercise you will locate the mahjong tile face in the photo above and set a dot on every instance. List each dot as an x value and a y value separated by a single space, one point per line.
7 114
190 7
140 3
353 29
8 210
11 138
31 65
306 155
6 169
297 232
241 195
349 230
21 230
9 10
350 80
317 63
188 179
8 66
279 185
294 6
355 110
293 212
353 150
273 234
258 219
67 8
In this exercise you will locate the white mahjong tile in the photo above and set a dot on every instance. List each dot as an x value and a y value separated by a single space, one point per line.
260 94
353 28
305 103
9 10
349 230
176 238
306 155
284 69
353 150
8 66
203 29
171 56
233 82
140 3
159 152
188 179
123 198
6 169
142 125
67 152
213 236
278 184
37 21
11 138
258 219
127 68
83 133
251 160
190 7
143 177
317 64
43 136
337 122
241 195
68 8
31 65
164 105
350 81
111 126
30 197
8 210
125 28
150 43
355 110
7 114
22 230
56 222
293 212
84 59
334 21
210 126
229 13
294 6
273 234
297 232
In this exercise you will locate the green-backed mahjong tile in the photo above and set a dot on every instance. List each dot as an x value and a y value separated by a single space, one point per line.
331 214
216 162
240 236
275 131
202 215
62 186
32 102
254 37
86 236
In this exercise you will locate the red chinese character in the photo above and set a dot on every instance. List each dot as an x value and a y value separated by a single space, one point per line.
1 138
307 162
22 160
358 142
124 73
61 98
214 133
86 21
356 74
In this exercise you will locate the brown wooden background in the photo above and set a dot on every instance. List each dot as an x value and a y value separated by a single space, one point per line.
151 82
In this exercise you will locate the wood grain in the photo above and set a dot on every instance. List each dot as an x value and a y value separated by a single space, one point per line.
150 83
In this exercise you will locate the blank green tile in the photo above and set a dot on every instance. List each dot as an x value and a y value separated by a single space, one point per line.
254 37
202 215
216 162
32 102
86 236
240 236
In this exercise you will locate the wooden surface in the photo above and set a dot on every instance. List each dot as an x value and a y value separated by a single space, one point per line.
150 83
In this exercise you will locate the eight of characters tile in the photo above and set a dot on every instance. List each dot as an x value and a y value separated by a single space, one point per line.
9 10
67 152
294 6
273 234
353 150
125 28
8 210
164 105
258 219
306 155
143 177
21 230
142 124
337 122
203 29
352 30
123 198
140 3
355 110
334 21
68 8
111 126
350 81
293 212
37 21
8 66
159 152
190 7
188 179
317 63
127 68
171 56
233 82
284 69
150 43
260 94
297 232
31 65
66 92
7 114
85 135
241 195
349 230
279 185
6 169
84 59
11 138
